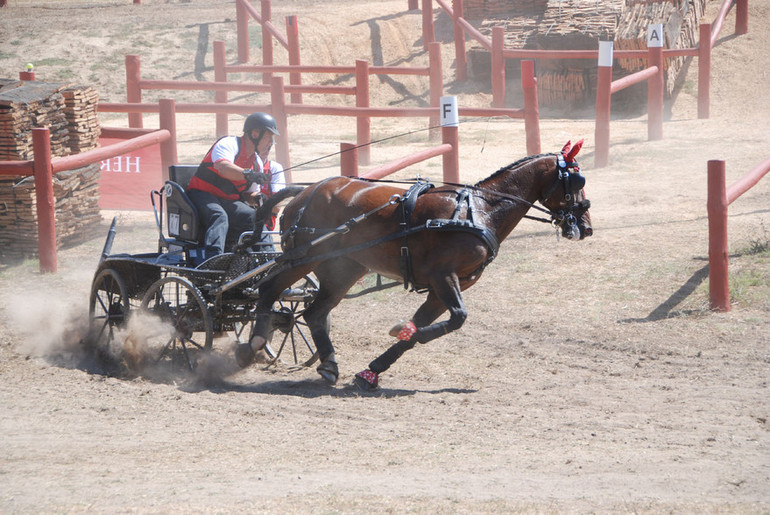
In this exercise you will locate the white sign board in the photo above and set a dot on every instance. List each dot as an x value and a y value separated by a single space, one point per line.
655 35
449 114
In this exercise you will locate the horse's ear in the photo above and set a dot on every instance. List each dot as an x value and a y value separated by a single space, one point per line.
566 147
572 153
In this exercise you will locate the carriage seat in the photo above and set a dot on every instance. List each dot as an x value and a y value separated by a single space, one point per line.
182 216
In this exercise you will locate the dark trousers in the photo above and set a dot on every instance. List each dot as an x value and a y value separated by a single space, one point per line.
223 219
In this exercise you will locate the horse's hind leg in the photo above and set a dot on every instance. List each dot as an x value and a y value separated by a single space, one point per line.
444 295
335 277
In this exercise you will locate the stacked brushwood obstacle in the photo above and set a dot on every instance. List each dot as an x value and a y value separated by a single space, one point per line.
69 112
580 25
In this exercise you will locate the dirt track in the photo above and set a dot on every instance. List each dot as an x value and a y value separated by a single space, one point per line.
589 377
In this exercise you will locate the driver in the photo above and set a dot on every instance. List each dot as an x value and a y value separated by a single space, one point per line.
232 177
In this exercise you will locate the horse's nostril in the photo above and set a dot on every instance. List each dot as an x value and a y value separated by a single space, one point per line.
588 232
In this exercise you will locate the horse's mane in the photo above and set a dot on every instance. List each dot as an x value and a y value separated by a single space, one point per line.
513 165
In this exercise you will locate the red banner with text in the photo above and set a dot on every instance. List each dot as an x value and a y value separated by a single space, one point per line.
126 181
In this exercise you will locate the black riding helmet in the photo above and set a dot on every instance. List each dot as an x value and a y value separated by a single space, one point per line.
261 122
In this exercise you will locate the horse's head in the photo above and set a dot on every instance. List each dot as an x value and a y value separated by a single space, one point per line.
565 196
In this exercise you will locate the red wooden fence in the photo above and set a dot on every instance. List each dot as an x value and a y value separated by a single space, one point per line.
719 198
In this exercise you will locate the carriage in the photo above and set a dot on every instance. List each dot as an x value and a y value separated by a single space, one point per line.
183 302
436 240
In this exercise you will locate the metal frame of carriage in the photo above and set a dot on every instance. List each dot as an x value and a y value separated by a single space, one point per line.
194 300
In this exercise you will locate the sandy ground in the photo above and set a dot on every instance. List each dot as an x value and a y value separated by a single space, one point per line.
589 377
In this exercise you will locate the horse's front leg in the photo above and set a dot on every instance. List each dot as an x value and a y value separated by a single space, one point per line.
445 294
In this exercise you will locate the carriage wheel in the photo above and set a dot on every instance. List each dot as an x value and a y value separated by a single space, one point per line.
186 329
290 334
108 311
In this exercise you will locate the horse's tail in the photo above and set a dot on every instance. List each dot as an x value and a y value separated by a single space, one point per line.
265 211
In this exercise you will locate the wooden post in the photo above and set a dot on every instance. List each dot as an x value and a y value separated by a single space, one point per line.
704 70
133 89
498 67
451 160
719 289
45 201
220 97
656 83
531 107
267 42
461 59
295 78
167 120
741 17
278 106
413 5
363 122
428 33
348 160
436 82
242 28
603 100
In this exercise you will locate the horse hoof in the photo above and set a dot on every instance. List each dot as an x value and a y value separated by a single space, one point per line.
367 380
329 371
244 355
403 331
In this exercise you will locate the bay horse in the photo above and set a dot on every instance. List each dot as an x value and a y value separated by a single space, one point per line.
436 239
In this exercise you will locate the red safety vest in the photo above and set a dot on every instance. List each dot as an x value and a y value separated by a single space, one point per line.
207 177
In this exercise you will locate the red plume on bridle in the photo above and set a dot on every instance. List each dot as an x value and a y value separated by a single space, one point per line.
569 152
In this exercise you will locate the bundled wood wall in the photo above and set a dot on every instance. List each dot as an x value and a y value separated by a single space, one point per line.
581 24
69 112
77 211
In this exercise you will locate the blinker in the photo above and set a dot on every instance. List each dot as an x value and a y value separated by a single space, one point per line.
577 181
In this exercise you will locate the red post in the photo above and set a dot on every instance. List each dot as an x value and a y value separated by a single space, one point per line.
719 289
461 59
348 160
655 90
45 201
167 120
413 4
133 89
267 41
292 34
436 81
363 123
451 160
531 107
741 17
278 106
704 70
242 27
3 3
603 100
498 67
28 74
428 34
220 97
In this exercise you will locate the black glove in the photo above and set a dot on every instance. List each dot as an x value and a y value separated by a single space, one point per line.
253 176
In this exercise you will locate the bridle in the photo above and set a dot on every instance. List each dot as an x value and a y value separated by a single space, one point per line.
572 181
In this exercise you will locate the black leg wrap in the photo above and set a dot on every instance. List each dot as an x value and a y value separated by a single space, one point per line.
387 358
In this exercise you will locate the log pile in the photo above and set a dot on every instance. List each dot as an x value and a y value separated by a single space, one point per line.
680 30
31 105
76 209
484 9
80 103
68 111
581 24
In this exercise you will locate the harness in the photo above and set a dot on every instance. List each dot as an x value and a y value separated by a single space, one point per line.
297 255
